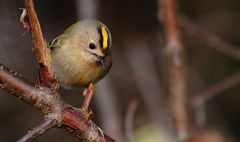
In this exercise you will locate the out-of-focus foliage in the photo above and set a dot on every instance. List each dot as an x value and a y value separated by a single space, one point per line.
152 133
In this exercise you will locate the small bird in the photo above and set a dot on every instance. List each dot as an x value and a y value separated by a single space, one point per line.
81 54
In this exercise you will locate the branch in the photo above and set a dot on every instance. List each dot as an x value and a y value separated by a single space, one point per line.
202 97
174 50
39 130
45 97
211 39
67 117
46 76
16 85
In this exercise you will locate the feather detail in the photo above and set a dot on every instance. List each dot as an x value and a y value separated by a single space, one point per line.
54 44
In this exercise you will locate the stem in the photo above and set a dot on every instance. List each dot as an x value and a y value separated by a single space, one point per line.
39 130
50 103
46 77
15 84
215 89
175 53
210 39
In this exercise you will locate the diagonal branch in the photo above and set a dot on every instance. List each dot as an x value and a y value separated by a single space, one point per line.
200 98
14 83
41 97
45 97
46 76
47 124
67 117
211 39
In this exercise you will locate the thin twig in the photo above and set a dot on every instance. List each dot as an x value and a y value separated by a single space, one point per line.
47 124
46 76
174 50
210 39
129 119
200 98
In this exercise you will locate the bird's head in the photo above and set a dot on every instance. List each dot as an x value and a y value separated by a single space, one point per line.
97 39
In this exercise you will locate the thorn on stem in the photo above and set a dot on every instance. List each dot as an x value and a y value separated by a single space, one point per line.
23 18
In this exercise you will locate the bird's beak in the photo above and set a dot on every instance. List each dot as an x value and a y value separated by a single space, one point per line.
101 61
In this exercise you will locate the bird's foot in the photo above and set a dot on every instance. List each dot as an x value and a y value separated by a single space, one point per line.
87 93
87 113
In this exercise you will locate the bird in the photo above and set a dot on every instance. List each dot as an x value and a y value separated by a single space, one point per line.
81 55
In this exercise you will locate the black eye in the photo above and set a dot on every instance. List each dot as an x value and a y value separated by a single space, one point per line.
92 46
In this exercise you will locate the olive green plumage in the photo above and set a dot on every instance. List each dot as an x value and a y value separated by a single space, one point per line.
81 54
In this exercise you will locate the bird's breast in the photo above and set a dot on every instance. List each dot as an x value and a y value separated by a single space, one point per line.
77 70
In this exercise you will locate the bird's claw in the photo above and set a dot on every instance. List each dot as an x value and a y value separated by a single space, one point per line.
87 114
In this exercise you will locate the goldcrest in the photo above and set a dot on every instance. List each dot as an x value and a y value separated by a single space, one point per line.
81 55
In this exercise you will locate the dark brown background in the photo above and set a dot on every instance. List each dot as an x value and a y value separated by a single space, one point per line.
139 67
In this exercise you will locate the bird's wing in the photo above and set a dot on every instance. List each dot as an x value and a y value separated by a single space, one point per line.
54 44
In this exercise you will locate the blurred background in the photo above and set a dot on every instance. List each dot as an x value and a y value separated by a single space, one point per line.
131 103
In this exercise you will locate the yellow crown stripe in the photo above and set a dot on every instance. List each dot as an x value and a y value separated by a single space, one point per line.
105 37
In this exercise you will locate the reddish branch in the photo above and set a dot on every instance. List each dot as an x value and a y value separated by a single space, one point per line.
46 77
178 98
46 125
211 39
50 103
45 96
